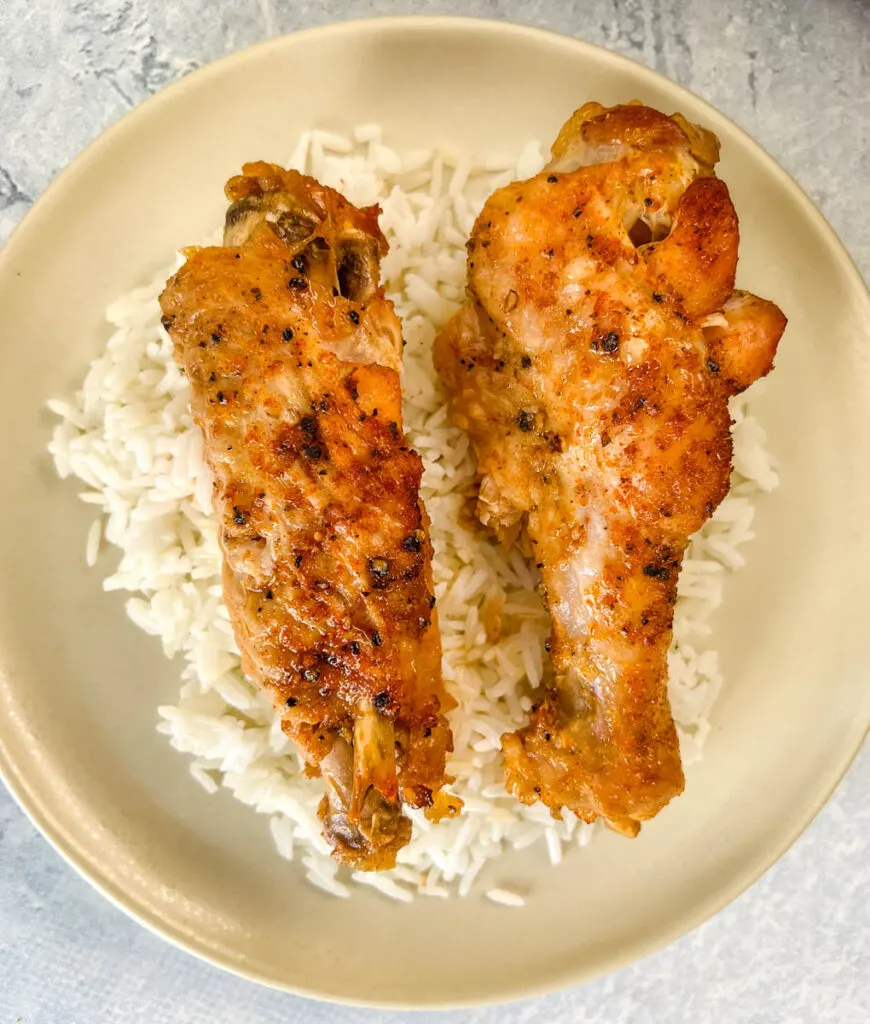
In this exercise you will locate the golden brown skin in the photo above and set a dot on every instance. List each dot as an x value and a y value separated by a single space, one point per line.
293 357
591 366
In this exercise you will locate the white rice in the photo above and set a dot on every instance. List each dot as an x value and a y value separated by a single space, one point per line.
505 897
128 436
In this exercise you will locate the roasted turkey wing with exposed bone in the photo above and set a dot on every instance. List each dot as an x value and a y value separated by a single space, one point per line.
591 366
293 357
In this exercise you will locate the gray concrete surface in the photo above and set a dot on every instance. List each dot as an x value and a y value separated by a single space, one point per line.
794 73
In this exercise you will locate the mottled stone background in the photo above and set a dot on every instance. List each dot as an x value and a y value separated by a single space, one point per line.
794 73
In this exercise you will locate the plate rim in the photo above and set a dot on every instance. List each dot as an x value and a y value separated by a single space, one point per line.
64 843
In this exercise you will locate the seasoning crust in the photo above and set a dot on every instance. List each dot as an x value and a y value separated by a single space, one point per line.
293 356
591 366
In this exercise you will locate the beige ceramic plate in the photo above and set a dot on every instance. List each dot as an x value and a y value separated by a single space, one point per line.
79 683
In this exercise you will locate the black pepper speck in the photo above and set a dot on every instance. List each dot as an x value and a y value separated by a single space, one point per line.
526 421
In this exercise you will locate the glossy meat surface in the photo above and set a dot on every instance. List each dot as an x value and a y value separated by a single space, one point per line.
591 367
293 356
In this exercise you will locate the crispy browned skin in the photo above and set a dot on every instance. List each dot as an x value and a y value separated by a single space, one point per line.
591 366
293 357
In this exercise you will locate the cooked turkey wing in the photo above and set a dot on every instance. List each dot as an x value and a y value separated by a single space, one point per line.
293 357
591 366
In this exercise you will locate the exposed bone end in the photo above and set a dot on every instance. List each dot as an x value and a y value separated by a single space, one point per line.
342 244
366 834
596 134
374 758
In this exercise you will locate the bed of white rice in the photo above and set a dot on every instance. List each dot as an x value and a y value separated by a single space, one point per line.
127 434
